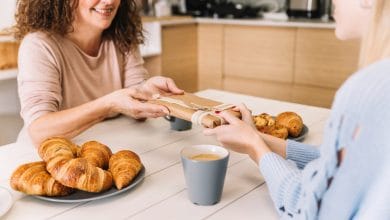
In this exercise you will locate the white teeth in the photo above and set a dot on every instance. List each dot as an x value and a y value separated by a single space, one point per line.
103 11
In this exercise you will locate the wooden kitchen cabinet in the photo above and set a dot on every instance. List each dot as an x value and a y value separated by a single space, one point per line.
261 88
322 60
210 56
153 65
303 65
322 64
259 61
262 53
179 58
312 95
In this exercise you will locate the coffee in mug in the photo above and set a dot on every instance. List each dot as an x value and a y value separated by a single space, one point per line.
205 157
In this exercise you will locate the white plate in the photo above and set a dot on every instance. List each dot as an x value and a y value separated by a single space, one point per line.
6 201
82 196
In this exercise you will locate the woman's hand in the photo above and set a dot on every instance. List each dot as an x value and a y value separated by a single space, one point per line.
159 85
240 135
130 102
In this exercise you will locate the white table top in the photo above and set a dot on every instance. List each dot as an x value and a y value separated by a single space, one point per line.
163 193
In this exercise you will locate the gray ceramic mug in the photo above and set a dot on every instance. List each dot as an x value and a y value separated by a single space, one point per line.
178 124
205 179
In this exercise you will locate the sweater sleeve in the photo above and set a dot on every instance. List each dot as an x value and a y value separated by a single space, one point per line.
284 181
301 153
135 72
39 80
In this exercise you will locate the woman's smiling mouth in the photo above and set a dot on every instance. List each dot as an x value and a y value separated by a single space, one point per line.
104 11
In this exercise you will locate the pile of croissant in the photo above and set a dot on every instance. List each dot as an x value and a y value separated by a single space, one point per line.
66 167
283 125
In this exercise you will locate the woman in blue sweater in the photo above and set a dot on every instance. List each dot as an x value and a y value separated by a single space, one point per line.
347 177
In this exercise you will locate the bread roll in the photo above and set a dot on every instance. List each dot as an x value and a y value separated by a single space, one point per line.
124 166
96 154
292 121
278 131
263 122
60 156
33 179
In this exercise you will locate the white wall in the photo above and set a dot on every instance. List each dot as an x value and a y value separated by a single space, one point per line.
7 12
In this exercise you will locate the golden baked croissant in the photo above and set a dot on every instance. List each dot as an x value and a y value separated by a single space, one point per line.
265 123
59 155
263 120
96 154
277 131
124 166
292 121
64 147
33 179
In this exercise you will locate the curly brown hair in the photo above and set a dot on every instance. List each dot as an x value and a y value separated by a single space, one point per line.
56 16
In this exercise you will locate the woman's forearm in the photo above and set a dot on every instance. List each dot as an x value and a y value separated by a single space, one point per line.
70 122
276 145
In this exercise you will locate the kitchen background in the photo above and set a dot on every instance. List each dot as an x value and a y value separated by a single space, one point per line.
219 44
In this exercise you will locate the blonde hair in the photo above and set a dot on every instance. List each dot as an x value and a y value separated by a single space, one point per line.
376 43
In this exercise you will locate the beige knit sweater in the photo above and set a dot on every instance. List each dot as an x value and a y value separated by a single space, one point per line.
55 74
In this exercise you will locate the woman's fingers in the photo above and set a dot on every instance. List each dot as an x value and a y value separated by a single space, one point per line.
220 133
171 85
147 107
162 85
137 93
144 108
210 131
246 114
143 115
231 119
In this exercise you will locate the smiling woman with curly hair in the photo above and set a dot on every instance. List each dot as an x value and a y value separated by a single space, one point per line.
57 17
79 63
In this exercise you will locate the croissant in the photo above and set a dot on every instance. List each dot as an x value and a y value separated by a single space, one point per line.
33 179
59 155
292 121
64 148
124 166
96 154
277 131
263 120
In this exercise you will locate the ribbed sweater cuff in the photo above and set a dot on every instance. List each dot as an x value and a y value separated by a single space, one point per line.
274 168
301 153
282 177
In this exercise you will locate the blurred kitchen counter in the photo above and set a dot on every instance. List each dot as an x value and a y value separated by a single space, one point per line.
170 20
315 23
303 23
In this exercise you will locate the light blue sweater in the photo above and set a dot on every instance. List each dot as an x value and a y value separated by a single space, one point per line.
311 184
